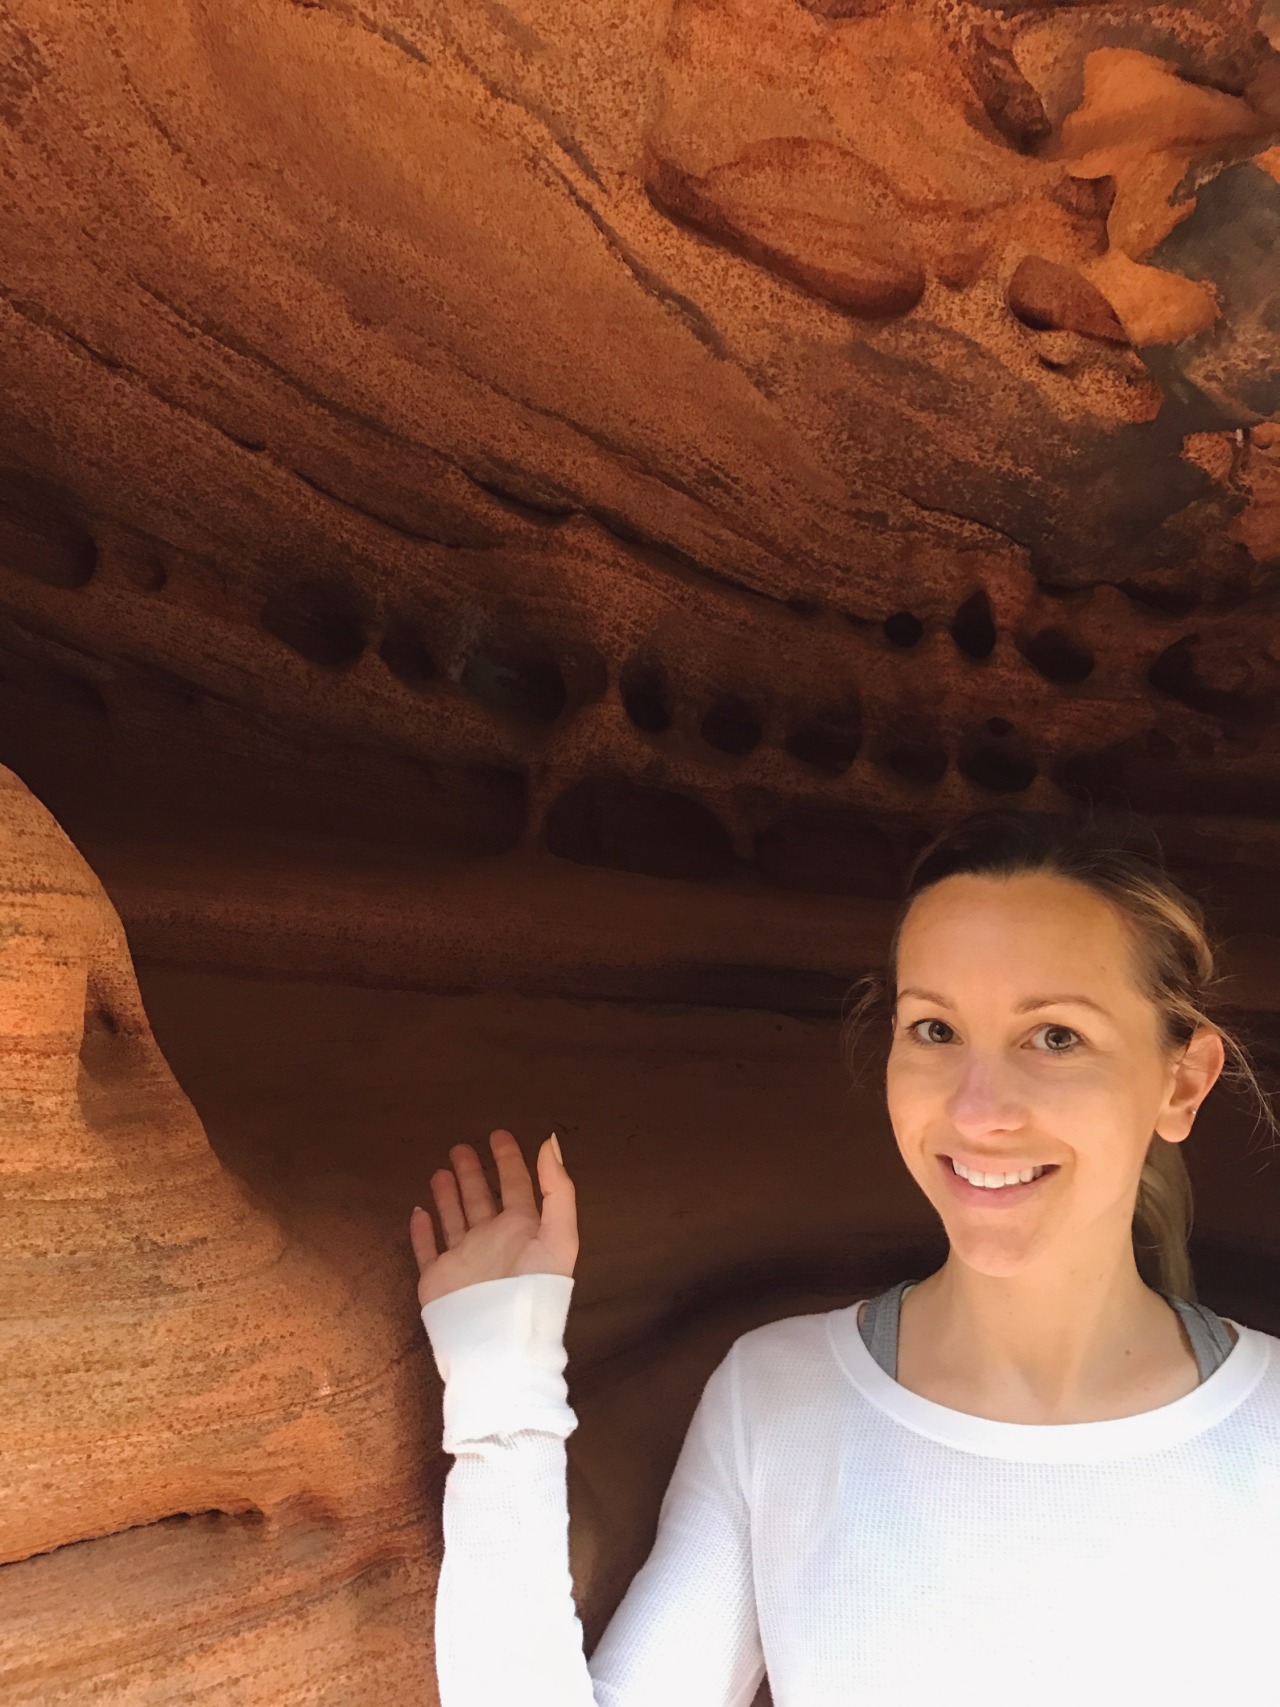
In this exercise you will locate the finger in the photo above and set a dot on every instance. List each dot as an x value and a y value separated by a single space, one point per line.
559 1201
422 1236
453 1223
513 1173
477 1199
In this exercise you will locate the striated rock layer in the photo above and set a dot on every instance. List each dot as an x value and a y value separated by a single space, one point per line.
225 1408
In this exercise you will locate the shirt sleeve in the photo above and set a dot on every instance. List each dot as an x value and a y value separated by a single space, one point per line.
507 1629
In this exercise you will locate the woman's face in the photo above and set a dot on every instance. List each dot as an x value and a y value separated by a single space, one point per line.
998 1059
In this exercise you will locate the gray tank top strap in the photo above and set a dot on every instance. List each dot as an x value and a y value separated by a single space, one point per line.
879 1327
1206 1330
1210 1340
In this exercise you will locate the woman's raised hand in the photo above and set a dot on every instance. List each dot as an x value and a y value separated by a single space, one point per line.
485 1243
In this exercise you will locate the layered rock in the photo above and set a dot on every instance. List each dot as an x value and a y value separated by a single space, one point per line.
213 1409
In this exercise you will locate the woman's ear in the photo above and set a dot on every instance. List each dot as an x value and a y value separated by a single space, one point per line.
1194 1077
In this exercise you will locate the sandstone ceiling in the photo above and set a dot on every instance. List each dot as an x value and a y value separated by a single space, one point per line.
713 438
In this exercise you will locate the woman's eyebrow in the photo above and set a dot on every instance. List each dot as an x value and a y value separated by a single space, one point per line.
1022 1007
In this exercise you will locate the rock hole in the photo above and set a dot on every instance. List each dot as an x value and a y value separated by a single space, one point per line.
77 692
1002 773
1049 297
319 620
828 740
1131 773
624 826
997 758
99 1035
1058 656
909 746
1011 103
644 696
732 726
63 687
1087 198
405 654
1180 674
41 533
518 677
973 627
98 1018
531 509
1161 746
902 628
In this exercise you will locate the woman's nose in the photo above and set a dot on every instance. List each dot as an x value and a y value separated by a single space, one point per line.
982 1096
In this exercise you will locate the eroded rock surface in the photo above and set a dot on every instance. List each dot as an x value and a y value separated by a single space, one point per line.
728 436
219 1415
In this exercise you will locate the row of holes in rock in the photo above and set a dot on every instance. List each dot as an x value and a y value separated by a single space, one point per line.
661 832
43 535
323 624
520 676
656 832
523 679
828 740
1053 652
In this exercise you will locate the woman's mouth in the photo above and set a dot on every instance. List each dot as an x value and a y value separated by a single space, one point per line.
993 1197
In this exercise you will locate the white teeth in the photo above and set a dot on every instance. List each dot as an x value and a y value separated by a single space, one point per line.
993 1182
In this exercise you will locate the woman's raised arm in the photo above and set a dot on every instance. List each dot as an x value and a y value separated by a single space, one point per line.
507 1630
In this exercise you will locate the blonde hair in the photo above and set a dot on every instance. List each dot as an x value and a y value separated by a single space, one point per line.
1118 855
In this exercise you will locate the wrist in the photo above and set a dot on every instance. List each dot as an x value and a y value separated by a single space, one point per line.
499 1348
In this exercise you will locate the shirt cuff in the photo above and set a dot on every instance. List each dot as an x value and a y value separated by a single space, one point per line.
499 1347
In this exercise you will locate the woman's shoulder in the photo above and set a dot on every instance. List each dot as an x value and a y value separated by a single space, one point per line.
801 1342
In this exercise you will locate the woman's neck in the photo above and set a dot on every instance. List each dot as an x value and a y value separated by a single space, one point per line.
999 1350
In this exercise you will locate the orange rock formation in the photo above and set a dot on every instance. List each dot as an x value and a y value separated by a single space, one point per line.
217 1402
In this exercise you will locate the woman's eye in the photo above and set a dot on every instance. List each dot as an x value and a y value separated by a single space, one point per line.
914 1029
1054 1050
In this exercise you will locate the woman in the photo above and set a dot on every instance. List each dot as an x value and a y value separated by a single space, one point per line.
1030 1476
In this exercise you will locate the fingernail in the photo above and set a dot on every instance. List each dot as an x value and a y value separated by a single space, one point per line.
418 1209
555 1145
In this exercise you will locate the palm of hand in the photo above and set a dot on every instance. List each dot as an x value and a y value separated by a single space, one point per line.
484 1243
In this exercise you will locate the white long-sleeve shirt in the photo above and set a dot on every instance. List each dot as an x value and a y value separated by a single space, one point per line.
869 1547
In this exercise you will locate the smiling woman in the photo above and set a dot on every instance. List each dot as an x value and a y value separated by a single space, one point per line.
876 1503
1011 902
1042 1312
